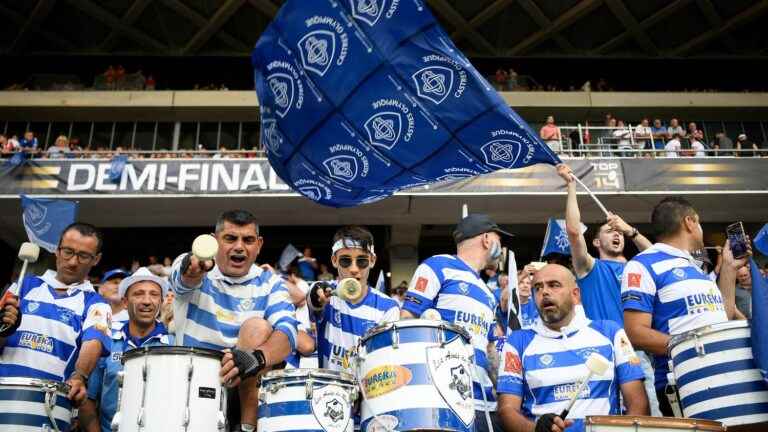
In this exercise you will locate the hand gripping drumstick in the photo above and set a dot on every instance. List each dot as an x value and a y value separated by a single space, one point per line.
348 289
597 365
204 248
28 253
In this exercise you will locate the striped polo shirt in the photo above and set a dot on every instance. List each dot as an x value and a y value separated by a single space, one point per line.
455 290
53 328
342 324
544 368
667 283
210 316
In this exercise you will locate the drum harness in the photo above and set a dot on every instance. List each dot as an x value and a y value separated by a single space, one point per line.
50 390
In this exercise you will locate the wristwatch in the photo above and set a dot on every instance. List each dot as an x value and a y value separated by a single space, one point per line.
82 376
634 233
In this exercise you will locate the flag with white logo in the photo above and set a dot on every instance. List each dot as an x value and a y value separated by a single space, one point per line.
759 318
289 254
556 238
361 99
116 167
761 240
45 220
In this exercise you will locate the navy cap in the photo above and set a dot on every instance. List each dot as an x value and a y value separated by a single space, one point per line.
474 225
118 272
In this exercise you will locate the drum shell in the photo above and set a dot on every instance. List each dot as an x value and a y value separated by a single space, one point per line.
167 387
649 424
402 347
22 405
296 399
716 375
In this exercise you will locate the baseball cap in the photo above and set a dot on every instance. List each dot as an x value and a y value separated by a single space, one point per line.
118 272
140 275
474 225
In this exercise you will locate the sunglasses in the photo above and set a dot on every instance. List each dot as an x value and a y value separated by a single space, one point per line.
361 261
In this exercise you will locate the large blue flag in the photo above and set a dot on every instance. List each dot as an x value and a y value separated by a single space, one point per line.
761 240
556 238
45 219
116 167
759 318
359 101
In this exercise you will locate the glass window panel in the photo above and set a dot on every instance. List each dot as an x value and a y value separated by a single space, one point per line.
145 136
209 135
733 130
251 135
102 136
164 136
123 136
188 137
754 132
228 138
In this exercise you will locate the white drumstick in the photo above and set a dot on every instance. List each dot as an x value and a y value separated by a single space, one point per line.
597 365
431 314
349 289
205 247
28 253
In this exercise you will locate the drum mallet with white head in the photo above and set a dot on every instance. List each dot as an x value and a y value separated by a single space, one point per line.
204 248
597 365
28 253
348 289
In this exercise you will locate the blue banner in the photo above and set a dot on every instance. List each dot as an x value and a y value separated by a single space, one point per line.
761 240
759 318
362 99
45 219
116 167
17 159
556 238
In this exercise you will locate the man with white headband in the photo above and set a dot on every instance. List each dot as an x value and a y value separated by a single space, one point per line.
340 323
451 284
141 294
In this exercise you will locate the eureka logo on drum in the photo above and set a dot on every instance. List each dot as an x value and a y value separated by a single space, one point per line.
440 78
385 379
326 44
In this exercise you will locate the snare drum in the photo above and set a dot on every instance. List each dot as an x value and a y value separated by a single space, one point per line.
649 424
416 375
34 405
716 375
307 400
165 388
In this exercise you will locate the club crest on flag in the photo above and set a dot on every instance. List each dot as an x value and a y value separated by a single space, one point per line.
367 11
271 138
317 50
281 86
556 238
35 214
384 129
501 153
341 167
434 83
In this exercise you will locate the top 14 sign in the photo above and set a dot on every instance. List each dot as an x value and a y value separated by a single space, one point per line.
363 98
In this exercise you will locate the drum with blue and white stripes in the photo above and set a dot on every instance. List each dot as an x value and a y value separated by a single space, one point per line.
416 375
716 374
34 405
306 400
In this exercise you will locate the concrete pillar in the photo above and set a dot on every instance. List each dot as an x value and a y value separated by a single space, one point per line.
403 252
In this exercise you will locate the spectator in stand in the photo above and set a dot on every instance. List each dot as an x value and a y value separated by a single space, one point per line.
119 76
59 149
743 145
109 77
723 145
744 291
550 133
643 135
149 83
694 133
698 149
74 145
674 127
674 146
6 145
28 143
621 135
308 265
501 78
512 79
660 135
325 275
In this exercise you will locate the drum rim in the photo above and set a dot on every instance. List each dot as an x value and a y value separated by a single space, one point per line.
417 322
171 349
703 425
310 373
61 387
703 331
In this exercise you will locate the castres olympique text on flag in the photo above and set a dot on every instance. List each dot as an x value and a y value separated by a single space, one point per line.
361 99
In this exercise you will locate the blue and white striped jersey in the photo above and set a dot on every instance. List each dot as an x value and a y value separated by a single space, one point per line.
544 367
210 316
53 328
342 324
667 283
448 284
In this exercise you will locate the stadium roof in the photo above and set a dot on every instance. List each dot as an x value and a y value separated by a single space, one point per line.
481 28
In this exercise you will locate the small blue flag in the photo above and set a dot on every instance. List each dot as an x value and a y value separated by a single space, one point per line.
759 319
116 167
45 220
761 240
18 158
556 238
289 254
359 101
381 285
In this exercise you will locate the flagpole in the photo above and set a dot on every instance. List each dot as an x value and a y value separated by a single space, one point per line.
464 211
597 201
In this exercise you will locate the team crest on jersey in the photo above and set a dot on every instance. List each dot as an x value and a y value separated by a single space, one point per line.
337 317
463 287
434 83
331 408
367 11
384 129
546 359
32 306
317 49
342 167
679 273
449 368
245 305
65 315
502 153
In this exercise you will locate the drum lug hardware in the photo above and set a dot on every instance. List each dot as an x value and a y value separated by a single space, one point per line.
190 370
699 346
221 422
114 426
144 372
308 389
395 338
120 378
185 423
140 418
441 336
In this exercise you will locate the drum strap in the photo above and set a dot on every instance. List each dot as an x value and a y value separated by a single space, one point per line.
485 398
50 403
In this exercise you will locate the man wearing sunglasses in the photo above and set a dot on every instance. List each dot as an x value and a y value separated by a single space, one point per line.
61 326
341 324
452 285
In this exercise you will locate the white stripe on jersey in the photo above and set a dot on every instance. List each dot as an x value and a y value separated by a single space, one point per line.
35 359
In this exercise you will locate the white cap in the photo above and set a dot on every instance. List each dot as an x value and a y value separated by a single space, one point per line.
742 137
140 275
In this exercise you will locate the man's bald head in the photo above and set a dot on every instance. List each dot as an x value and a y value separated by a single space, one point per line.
556 294
555 272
